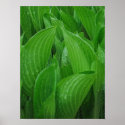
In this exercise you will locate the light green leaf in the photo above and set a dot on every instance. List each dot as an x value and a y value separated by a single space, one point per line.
44 93
58 24
81 54
34 57
47 20
66 68
100 17
99 67
88 20
59 49
67 9
71 92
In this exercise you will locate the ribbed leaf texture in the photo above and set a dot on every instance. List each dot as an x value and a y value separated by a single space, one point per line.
44 93
80 52
62 62
36 14
34 57
71 92
88 19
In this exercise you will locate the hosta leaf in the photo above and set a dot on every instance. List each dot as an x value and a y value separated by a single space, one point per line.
85 110
62 62
71 92
58 24
25 22
88 20
34 56
29 109
98 8
55 12
99 36
102 44
81 34
44 93
57 68
69 22
66 68
21 40
67 9
80 52
59 49
36 13
99 67
47 20
23 99
98 86
100 17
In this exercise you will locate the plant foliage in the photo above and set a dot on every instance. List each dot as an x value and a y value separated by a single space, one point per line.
62 62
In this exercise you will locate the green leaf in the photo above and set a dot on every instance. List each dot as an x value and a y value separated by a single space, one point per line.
55 12
29 109
99 36
69 22
66 68
70 94
62 68
21 40
80 52
98 87
25 22
85 110
36 13
59 49
67 9
44 93
99 67
100 17
22 114
47 20
88 19
34 57
58 24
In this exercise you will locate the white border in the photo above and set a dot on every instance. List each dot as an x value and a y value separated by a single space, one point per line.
10 61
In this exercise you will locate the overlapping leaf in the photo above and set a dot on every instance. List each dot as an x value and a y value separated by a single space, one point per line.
34 57
44 93
66 68
69 22
70 94
36 14
98 87
80 52
25 21
62 67
88 19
